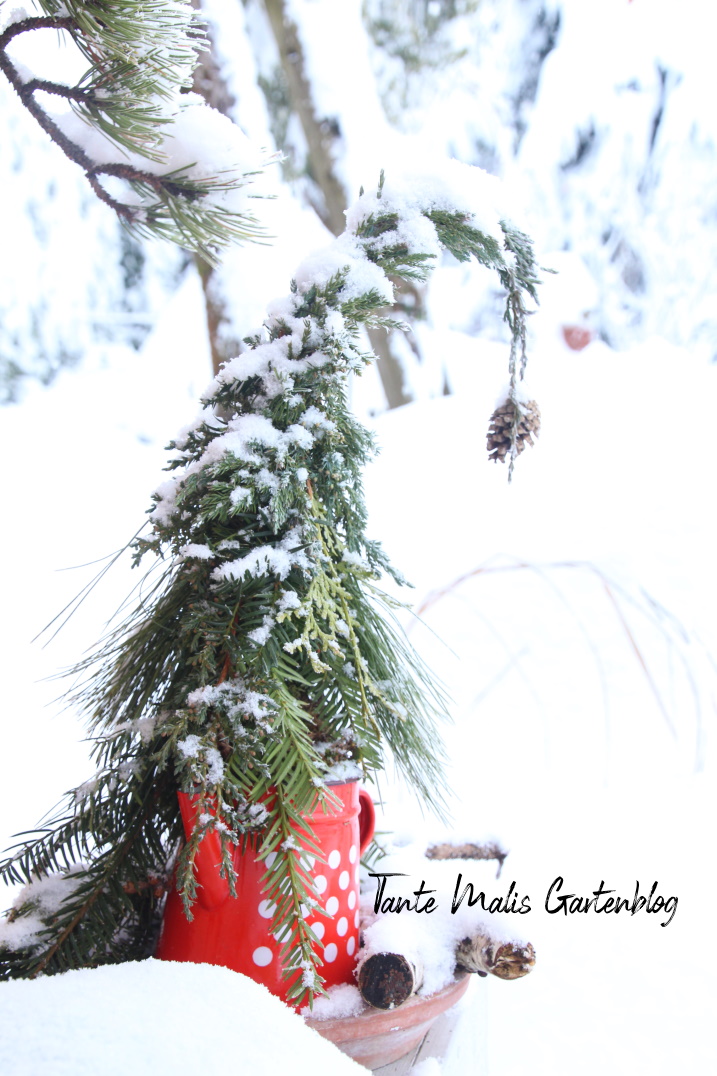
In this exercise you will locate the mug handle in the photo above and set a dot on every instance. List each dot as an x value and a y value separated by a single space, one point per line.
367 820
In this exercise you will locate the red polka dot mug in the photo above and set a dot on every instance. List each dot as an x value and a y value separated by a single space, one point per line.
236 933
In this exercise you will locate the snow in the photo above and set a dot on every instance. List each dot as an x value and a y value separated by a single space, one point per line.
190 747
47 895
430 1067
195 551
343 254
443 184
278 559
198 141
10 15
315 419
243 433
338 772
343 1000
546 597
199 1017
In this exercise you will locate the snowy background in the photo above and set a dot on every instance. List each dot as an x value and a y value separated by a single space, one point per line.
570 614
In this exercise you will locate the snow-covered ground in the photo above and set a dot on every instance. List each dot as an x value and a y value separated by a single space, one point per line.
203 1019
574 630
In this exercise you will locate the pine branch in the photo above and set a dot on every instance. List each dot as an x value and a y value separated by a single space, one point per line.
131 71
112 866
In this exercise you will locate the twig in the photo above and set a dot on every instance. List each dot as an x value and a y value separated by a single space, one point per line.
610 588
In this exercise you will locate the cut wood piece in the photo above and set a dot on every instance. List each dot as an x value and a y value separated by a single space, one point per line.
386 980
486 850
484 956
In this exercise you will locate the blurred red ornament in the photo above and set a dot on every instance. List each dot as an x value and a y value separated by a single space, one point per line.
577 336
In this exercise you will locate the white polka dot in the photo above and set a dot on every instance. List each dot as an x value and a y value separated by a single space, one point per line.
330 953
356 918
353 852
320 883
351 945
307 862
342 926
344 880
269 861
318 929
352 899
262 956
332 905
334 859
266 909
283 933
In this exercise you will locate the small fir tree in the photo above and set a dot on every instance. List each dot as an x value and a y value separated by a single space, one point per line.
264 659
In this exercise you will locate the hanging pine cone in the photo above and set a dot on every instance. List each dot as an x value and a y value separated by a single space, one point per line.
501 425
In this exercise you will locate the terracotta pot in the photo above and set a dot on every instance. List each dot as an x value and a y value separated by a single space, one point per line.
236 932
379 1036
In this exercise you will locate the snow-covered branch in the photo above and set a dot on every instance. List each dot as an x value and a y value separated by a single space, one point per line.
166 163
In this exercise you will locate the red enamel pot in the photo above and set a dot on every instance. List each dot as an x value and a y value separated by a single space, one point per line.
236 932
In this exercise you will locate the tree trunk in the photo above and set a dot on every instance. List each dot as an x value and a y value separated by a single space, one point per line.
321 135
208 82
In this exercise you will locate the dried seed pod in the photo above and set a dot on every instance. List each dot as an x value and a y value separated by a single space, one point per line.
482 955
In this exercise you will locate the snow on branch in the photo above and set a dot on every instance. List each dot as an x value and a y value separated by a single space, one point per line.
163 160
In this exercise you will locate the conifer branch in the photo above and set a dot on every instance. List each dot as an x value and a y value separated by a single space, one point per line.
135 63
112 865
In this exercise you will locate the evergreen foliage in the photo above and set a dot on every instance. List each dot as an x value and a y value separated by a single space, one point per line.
264 660
141 56
413 37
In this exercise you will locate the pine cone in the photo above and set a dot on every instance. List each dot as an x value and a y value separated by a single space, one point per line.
501 424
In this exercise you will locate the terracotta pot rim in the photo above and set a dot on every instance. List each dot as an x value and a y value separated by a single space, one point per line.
417 1010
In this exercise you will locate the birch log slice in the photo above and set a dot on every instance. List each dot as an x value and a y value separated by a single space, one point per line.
386 980
468 850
